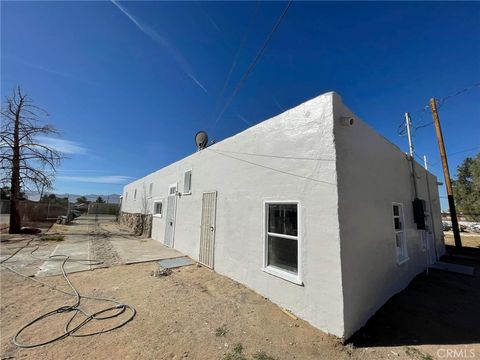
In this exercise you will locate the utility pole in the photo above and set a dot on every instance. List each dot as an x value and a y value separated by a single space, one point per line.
409 133
446 173
408 123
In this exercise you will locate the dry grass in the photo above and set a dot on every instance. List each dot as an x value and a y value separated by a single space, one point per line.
52 238
468 239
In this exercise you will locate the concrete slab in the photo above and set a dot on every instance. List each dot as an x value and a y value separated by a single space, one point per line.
23 260
134 250
78 250
459 269
176 262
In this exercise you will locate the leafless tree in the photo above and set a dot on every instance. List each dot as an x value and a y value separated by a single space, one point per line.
25 162
144 208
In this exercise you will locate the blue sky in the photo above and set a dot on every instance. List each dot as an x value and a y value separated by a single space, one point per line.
129 83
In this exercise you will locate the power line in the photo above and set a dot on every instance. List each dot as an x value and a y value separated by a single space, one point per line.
270 168
254 62
237 56
442 101
274 156
457 153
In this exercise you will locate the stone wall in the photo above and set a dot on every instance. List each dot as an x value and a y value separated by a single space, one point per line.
140 224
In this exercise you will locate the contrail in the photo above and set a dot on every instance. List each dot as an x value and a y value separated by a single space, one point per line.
162 41
244 120
51 71
197 82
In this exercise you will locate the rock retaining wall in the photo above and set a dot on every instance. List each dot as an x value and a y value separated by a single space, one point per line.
140 224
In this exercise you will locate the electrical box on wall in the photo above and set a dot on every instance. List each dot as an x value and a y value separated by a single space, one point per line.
419 213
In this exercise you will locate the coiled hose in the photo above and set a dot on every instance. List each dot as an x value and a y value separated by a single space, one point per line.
118 308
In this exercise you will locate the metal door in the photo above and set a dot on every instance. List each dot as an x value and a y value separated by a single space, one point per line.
170 216
207 232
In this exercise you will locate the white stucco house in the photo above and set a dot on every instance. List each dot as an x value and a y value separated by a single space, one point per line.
311 209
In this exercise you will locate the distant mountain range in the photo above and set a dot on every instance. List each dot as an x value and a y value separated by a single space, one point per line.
110 198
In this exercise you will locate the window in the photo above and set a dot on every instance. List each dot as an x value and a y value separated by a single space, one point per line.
187 182
126 196
150 190
282 240
157 208
135 195
399 228
172 190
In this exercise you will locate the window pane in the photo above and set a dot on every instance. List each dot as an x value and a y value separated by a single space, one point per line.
158 208
282 219
395 210
283 253
398 240
398 223
187 181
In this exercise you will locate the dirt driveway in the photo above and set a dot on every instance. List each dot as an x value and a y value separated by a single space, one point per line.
194 313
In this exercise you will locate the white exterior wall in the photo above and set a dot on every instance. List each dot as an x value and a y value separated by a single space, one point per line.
244 182
372 174
348 272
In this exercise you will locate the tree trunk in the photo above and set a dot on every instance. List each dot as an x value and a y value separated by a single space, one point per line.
15 219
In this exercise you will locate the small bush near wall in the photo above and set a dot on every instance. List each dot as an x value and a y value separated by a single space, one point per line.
140 224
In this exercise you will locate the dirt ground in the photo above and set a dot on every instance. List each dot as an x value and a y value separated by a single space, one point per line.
194 313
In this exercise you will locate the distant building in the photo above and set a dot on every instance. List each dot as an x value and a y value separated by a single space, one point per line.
311 209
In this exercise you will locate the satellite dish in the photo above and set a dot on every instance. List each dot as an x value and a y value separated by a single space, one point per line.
201 139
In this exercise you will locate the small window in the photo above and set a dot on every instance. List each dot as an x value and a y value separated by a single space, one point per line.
150 190
135 195
172 190
282 240
187 182
157 208
126 196
399 229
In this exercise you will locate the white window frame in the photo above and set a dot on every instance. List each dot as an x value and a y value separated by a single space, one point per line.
189 192
272 270
401 256
150 190
155 202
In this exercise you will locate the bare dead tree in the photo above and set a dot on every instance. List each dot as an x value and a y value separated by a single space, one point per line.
144 209
25 162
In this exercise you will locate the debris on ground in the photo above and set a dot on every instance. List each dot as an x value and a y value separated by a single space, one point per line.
30 231
160 272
